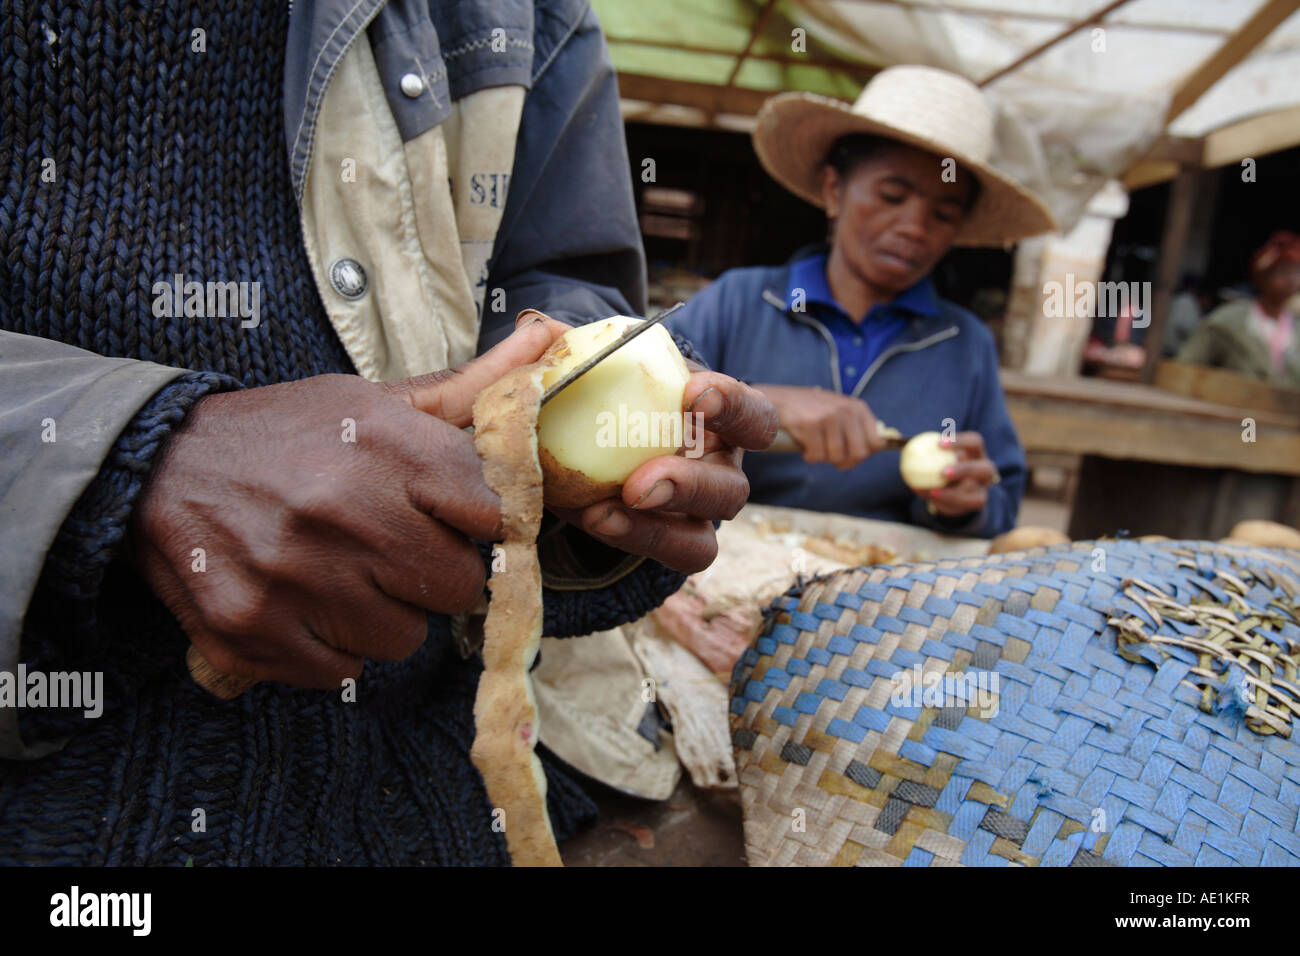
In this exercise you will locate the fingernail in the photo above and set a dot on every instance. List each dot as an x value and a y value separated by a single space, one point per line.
614 523
660 493
949 471
945 442
708 403
533 317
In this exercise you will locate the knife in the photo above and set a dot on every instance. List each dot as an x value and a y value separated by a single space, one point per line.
228 686
785 442
627 336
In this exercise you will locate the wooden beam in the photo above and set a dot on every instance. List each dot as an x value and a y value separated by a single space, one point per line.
1173 243
1131 400
1144 423
844 66
1148 172
702 96
1184 150
1052 41
1258 133
1162 161
1170 441
1254 136
749 44
1034 16
1225 387
1253 32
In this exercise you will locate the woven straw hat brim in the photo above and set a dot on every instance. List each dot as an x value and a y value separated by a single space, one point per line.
795 131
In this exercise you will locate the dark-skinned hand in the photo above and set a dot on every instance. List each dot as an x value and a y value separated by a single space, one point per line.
969 479
830 427
319 553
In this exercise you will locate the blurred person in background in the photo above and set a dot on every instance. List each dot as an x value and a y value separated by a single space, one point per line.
852 332
1189 305
1257 336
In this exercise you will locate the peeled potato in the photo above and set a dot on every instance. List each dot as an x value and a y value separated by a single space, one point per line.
1264 534
922 462
615 418
1026 537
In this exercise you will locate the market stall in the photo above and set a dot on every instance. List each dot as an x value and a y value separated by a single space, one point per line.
1157 462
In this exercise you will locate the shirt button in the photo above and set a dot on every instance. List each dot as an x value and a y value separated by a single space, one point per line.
412 85
850 370
857 340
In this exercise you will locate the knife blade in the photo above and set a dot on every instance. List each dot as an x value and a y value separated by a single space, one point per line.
638 329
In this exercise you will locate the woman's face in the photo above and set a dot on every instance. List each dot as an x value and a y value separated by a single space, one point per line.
895 216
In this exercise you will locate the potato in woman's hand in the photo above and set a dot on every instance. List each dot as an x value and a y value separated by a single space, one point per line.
923 461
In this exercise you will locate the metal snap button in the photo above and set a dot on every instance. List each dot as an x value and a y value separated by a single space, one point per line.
348 278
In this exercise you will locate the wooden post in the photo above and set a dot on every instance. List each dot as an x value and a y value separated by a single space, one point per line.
1178 216
1249 35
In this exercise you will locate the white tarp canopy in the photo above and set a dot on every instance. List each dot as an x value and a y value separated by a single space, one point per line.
1084 88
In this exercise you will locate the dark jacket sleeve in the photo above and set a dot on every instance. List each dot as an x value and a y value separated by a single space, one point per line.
570 246
569 242
987 414
703 320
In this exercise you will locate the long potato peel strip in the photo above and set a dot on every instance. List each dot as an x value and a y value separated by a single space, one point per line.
505 708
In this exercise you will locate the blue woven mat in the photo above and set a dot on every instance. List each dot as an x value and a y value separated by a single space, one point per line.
1038 744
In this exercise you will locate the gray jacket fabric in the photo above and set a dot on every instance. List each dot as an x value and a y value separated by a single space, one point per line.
60 410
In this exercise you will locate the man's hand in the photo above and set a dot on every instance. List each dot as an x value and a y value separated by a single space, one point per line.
967 490
669 504
298 529
830 427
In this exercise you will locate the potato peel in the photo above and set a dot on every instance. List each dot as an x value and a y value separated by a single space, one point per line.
505 708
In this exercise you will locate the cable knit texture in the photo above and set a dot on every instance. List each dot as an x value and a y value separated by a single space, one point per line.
171 162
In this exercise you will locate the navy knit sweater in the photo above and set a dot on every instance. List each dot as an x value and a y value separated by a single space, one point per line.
170 162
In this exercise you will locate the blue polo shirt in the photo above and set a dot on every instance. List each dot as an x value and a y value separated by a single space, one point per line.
857 344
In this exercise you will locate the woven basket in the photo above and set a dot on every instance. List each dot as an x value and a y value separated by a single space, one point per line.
1053 707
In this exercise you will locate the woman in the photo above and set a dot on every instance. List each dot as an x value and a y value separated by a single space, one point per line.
847 335
1257 337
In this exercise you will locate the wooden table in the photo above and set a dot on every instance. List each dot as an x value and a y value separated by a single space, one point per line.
1155 462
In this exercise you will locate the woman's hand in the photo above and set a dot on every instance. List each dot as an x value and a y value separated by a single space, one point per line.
967 490
830 427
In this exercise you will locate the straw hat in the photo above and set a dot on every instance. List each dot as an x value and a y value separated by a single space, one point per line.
932 109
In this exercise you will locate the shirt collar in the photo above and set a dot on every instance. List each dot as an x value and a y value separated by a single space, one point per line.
810 275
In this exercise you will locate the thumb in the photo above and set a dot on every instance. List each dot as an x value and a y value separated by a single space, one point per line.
450 393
